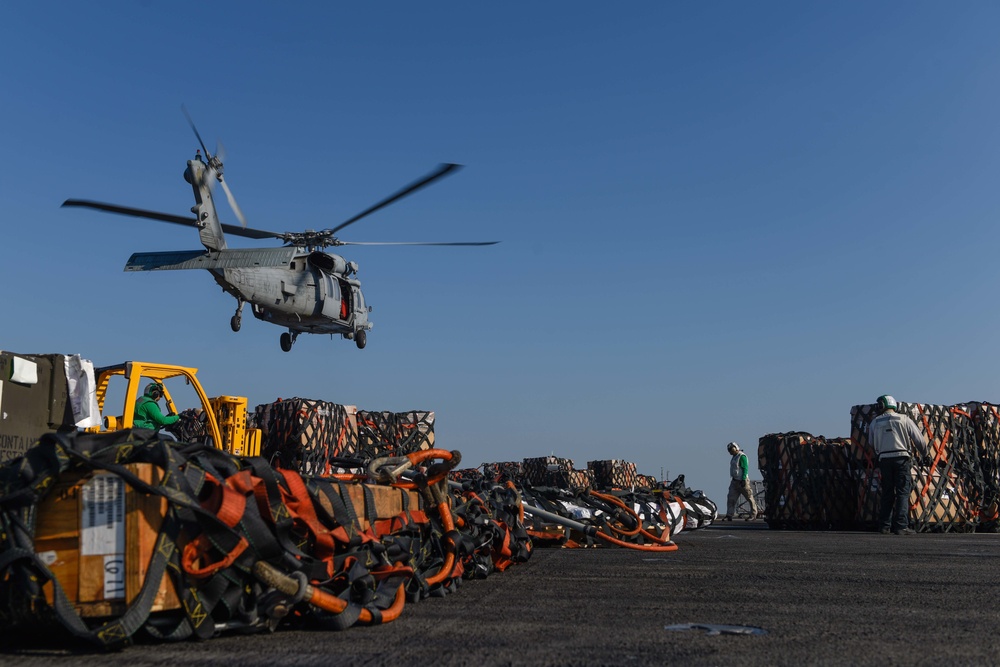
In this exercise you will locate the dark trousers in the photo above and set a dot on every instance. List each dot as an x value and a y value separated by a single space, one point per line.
894 513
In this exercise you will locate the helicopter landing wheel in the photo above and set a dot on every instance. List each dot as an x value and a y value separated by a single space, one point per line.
360 338
286 341
235 322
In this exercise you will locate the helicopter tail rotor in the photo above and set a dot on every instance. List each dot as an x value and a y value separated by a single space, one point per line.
215 169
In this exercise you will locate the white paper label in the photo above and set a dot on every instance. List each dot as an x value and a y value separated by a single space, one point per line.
102 524
24 371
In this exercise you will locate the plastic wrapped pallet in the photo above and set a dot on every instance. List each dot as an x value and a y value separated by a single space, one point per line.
697 510
674 511
808 480
613 474
305 434
947 494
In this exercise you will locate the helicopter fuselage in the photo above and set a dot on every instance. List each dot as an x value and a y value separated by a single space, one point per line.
301 296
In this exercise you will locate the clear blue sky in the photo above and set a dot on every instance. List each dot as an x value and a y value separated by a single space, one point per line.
718 220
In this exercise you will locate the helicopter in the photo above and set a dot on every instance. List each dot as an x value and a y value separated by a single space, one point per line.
299 285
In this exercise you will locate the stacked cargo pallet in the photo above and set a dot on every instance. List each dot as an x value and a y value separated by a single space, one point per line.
315 437
948 490
818 483
646 482
808 482
614 474
305 434
555 472
394 433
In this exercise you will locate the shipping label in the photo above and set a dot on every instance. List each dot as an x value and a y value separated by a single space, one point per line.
102 521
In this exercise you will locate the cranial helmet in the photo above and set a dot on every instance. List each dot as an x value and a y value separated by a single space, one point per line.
154 390
733 447
886 403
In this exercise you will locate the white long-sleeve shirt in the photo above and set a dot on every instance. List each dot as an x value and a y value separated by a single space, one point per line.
891 434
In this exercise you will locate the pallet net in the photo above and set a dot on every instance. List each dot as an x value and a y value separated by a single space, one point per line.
808 482
949 490
614 474
305 434
394 433
987 424
317 437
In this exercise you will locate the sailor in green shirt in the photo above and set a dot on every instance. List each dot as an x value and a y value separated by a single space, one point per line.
147 412
739 483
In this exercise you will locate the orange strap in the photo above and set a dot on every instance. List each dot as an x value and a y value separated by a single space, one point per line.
301 508
229 504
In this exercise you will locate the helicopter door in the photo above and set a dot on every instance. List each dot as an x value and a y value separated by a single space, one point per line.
334 304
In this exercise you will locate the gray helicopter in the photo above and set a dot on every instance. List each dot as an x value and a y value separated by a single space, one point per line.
298 285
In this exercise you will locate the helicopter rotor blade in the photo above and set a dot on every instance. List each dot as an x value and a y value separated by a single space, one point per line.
135 212
233 205
441 171
191 123
236 230
466 243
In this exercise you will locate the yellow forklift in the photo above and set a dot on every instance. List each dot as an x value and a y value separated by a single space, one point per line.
225 417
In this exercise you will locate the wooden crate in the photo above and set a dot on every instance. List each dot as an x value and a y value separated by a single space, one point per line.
96 534
388 501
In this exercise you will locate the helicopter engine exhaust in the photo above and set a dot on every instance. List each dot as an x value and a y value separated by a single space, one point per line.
332 264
